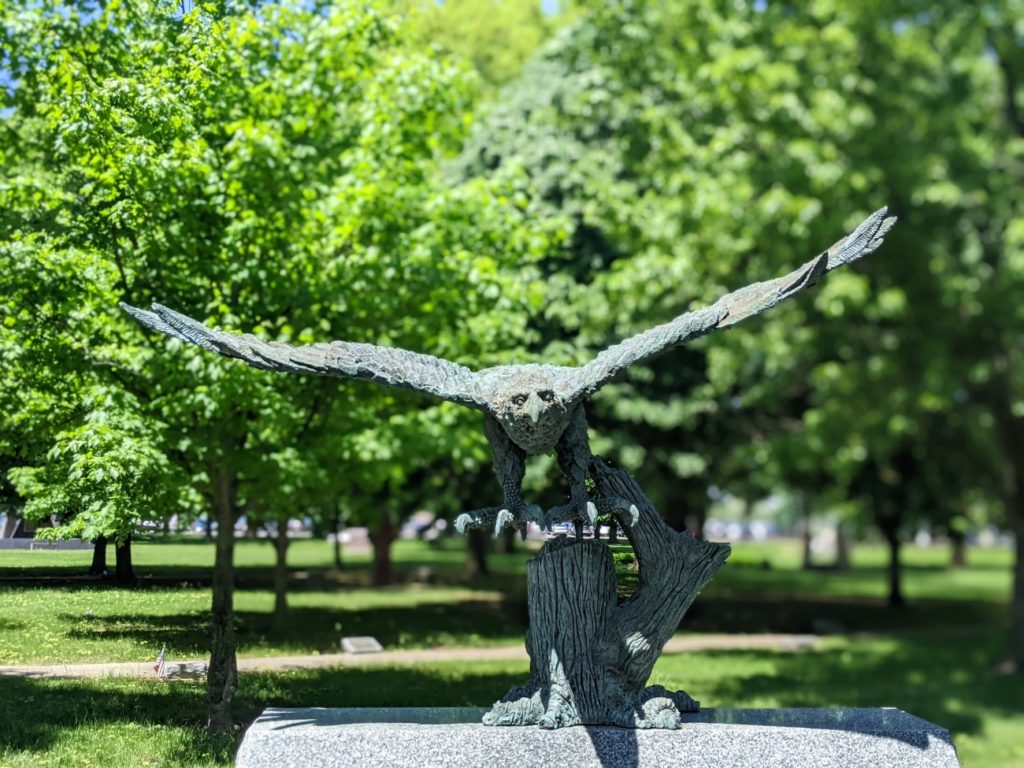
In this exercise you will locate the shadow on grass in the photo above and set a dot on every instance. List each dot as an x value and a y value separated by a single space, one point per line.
946 680
830 614
476 622
320 629
317 579
34 713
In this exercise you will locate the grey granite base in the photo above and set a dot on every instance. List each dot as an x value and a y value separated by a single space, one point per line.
712 738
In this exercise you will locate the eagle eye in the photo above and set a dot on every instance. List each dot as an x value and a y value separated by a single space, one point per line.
547 395
518 400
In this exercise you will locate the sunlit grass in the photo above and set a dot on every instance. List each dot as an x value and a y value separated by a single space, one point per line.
117 723
51 615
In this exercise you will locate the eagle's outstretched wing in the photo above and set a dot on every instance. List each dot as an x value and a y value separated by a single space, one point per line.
387 365
730 309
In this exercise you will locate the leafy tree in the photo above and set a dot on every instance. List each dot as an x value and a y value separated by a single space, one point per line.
269 170
495 36
730 141
103 477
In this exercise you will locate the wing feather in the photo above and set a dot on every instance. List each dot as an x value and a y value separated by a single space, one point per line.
730 309
387 365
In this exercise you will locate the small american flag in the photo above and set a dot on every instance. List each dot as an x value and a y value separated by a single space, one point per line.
159 666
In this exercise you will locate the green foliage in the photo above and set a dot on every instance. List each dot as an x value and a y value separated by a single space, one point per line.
103 477
494 36
689 149
271 171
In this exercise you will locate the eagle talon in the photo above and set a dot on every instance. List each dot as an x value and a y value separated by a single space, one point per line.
477 518
504 518
470 520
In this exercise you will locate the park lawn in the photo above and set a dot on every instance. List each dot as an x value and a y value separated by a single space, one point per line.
49 614
127 723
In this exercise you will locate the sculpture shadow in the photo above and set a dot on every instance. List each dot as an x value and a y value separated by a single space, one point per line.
615 747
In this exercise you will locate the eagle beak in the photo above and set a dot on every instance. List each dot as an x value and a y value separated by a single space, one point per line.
533 408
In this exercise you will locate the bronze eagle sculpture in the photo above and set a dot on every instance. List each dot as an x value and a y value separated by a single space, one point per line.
528 409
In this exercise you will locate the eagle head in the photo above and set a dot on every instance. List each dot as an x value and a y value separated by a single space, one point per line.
531 410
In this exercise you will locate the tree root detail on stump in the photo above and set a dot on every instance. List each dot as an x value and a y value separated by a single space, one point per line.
590 655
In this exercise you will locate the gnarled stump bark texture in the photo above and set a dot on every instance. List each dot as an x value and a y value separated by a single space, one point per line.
590 655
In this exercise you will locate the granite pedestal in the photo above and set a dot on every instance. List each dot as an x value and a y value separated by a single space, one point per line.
712 738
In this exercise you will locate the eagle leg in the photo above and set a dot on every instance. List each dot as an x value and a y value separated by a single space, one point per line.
573 453
510 466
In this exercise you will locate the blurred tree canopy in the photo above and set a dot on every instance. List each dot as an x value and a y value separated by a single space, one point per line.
496 37
691 148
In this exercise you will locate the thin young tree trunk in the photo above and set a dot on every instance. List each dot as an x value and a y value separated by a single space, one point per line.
957 550
222 674
1011 433
892 538
123 571
338 526
1017 604
381 539
508 541
805 515
281 574
476 551
1015 518
842 549
99 557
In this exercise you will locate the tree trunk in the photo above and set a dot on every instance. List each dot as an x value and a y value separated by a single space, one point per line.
222 674
476 551
957 550
281 575
842 549
123 571
1017 599
805 515
590 656
508 541
381 539
338 527
99 557
613 531
693 521
892 537
1011 433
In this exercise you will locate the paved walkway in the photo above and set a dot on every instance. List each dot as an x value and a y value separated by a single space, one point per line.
680 644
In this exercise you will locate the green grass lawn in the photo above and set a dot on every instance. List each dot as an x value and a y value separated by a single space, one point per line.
136 723
934 659
52 615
